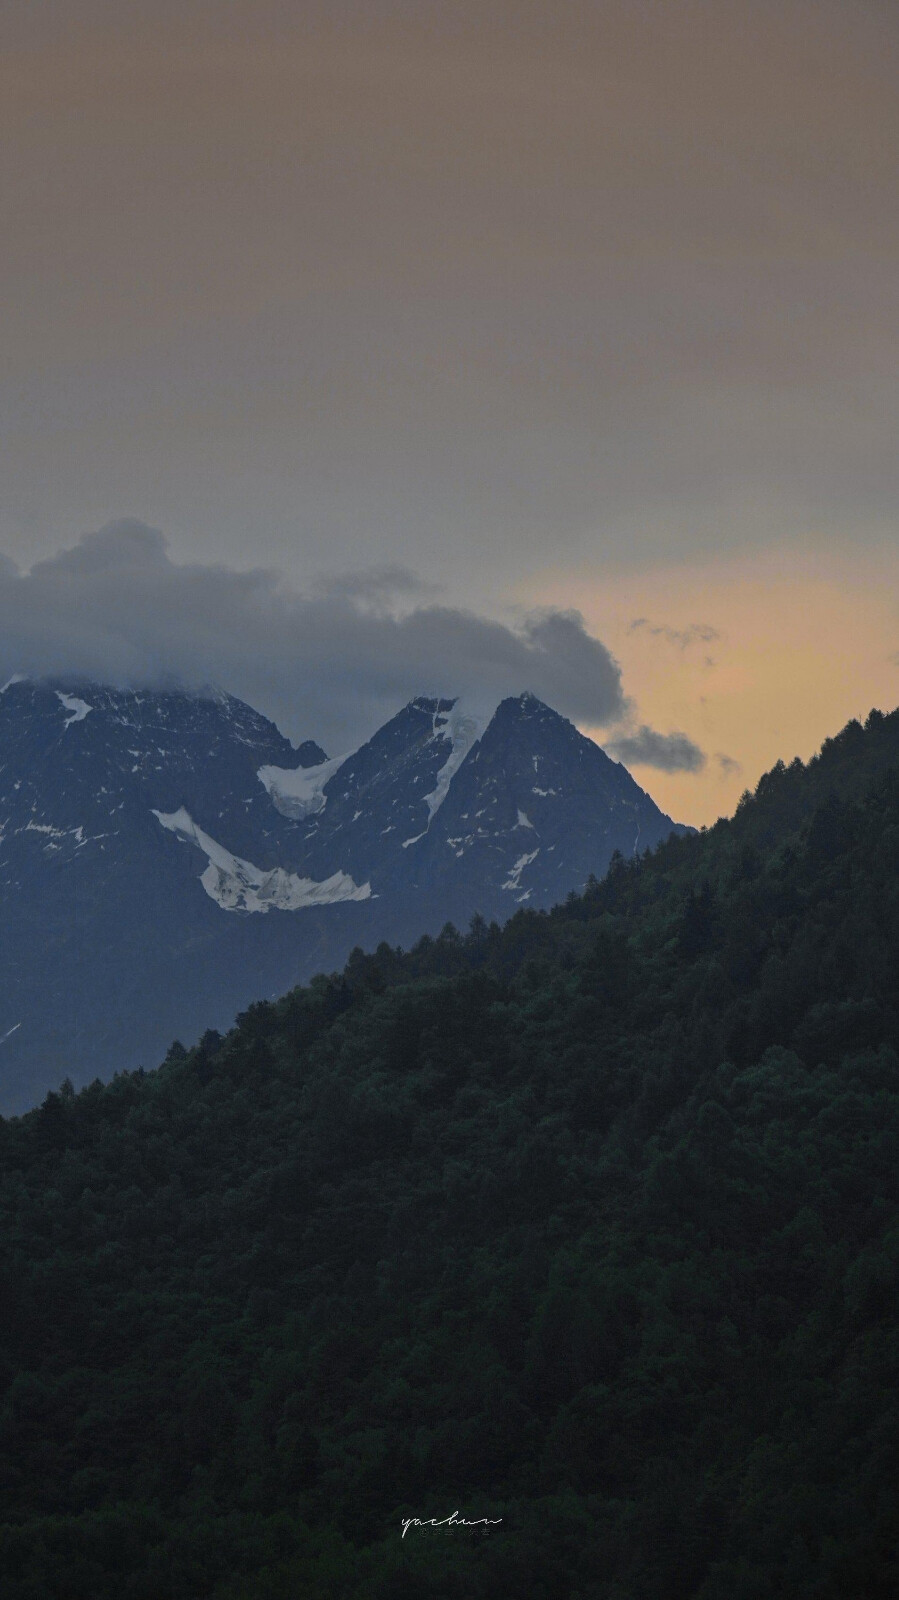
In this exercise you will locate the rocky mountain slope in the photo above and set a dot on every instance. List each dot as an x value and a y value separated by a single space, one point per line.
166 858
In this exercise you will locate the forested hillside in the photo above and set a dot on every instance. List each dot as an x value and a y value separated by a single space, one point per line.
589 1224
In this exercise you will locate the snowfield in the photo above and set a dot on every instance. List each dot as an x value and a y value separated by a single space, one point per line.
78 708
299 792
238 885
461 729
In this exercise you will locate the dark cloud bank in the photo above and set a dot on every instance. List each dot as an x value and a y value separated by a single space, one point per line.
330 664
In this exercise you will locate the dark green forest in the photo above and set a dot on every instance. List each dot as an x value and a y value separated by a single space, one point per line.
588 1225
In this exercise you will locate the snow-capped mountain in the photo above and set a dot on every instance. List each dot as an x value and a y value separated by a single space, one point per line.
166 858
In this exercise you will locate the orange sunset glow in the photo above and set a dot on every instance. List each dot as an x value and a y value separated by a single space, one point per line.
799 645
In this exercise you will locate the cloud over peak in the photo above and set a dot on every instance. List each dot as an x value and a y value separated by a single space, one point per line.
330 663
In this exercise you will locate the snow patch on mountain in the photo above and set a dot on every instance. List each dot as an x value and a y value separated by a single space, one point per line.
78 708
514 879
238 885
299 792
54 833
461 728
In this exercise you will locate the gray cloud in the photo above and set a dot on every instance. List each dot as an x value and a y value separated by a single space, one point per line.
670 752
696 633
383 588
728 765
329 664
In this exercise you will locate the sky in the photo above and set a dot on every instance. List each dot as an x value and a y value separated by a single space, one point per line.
355 351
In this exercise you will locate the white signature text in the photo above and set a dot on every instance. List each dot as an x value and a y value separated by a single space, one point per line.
452 1521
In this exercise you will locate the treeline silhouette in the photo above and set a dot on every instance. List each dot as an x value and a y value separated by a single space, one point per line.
588 1225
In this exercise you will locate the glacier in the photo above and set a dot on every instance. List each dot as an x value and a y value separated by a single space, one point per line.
299 792
238 885
462 729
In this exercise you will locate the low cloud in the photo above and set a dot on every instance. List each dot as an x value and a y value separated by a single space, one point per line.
695 633
382 588
669 752
728 766
329 664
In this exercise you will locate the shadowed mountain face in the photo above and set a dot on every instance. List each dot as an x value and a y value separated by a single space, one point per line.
167 858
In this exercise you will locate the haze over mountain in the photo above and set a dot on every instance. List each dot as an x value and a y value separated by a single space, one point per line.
166 858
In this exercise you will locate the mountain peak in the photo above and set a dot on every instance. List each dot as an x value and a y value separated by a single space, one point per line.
203 861
521 706
431 705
